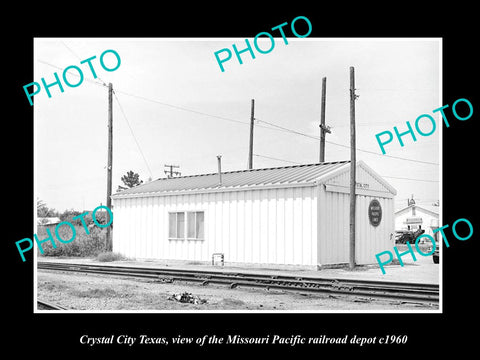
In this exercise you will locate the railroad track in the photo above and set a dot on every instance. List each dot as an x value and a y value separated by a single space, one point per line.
393 291
44 305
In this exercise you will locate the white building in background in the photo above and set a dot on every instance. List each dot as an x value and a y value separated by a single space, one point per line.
48 221
287 215
416 216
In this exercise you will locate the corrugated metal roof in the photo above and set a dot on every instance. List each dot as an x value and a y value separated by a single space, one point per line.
236 179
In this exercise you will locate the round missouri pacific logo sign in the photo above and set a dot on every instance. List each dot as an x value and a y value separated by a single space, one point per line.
375 212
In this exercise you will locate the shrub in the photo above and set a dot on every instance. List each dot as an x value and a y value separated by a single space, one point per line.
82 246
109 256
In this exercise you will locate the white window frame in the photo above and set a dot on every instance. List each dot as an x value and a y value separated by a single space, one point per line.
186 223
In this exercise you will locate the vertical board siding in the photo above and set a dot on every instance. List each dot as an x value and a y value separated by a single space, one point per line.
280 228
297 226
371 239
255 226
210 225
272 245
136 236
162 227
129 229
334 228
241 236
232 222
289 250
255 253
263 228
248 227
156 218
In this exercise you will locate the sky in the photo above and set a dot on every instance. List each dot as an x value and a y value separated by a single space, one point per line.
173 105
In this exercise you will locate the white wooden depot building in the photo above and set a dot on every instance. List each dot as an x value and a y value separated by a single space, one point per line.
285 215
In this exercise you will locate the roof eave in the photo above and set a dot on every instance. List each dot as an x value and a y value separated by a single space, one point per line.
215 190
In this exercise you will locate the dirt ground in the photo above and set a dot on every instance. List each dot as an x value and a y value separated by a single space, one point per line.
106 293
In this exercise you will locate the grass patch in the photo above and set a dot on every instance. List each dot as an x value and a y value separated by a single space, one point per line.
83 245
107 256
234 303
53 286
94 293
196 263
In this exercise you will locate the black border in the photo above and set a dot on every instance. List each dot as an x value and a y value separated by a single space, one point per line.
59 334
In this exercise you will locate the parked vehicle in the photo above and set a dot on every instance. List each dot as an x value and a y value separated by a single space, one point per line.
402 236
436 255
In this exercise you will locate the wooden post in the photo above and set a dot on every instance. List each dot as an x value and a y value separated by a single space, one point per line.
352 169
219 160
171 173
323 128
108 240
250 151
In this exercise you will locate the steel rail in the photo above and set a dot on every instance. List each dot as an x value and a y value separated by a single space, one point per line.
400 291
174 271
48 305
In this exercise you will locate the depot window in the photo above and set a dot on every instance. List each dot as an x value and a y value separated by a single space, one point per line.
186 225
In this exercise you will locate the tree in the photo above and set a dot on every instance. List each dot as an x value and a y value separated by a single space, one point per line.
43 210
68 215
130 180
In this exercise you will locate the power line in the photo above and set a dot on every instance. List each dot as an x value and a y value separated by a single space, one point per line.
131 131
404 178
78 57
273 158
366 124
345 146
73 52
391 156
278 127
275 127
71 73
118 102
182 108
298 163
292 131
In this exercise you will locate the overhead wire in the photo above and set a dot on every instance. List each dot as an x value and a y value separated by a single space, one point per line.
133 135
345 146
120 106
273 158
273 126
118 102
404 178
78 57
63 69
182 108
70 49
298 163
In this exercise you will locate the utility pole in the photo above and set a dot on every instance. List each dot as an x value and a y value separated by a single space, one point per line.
108 240
170 173
353 164
250 151
323 129
219 160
